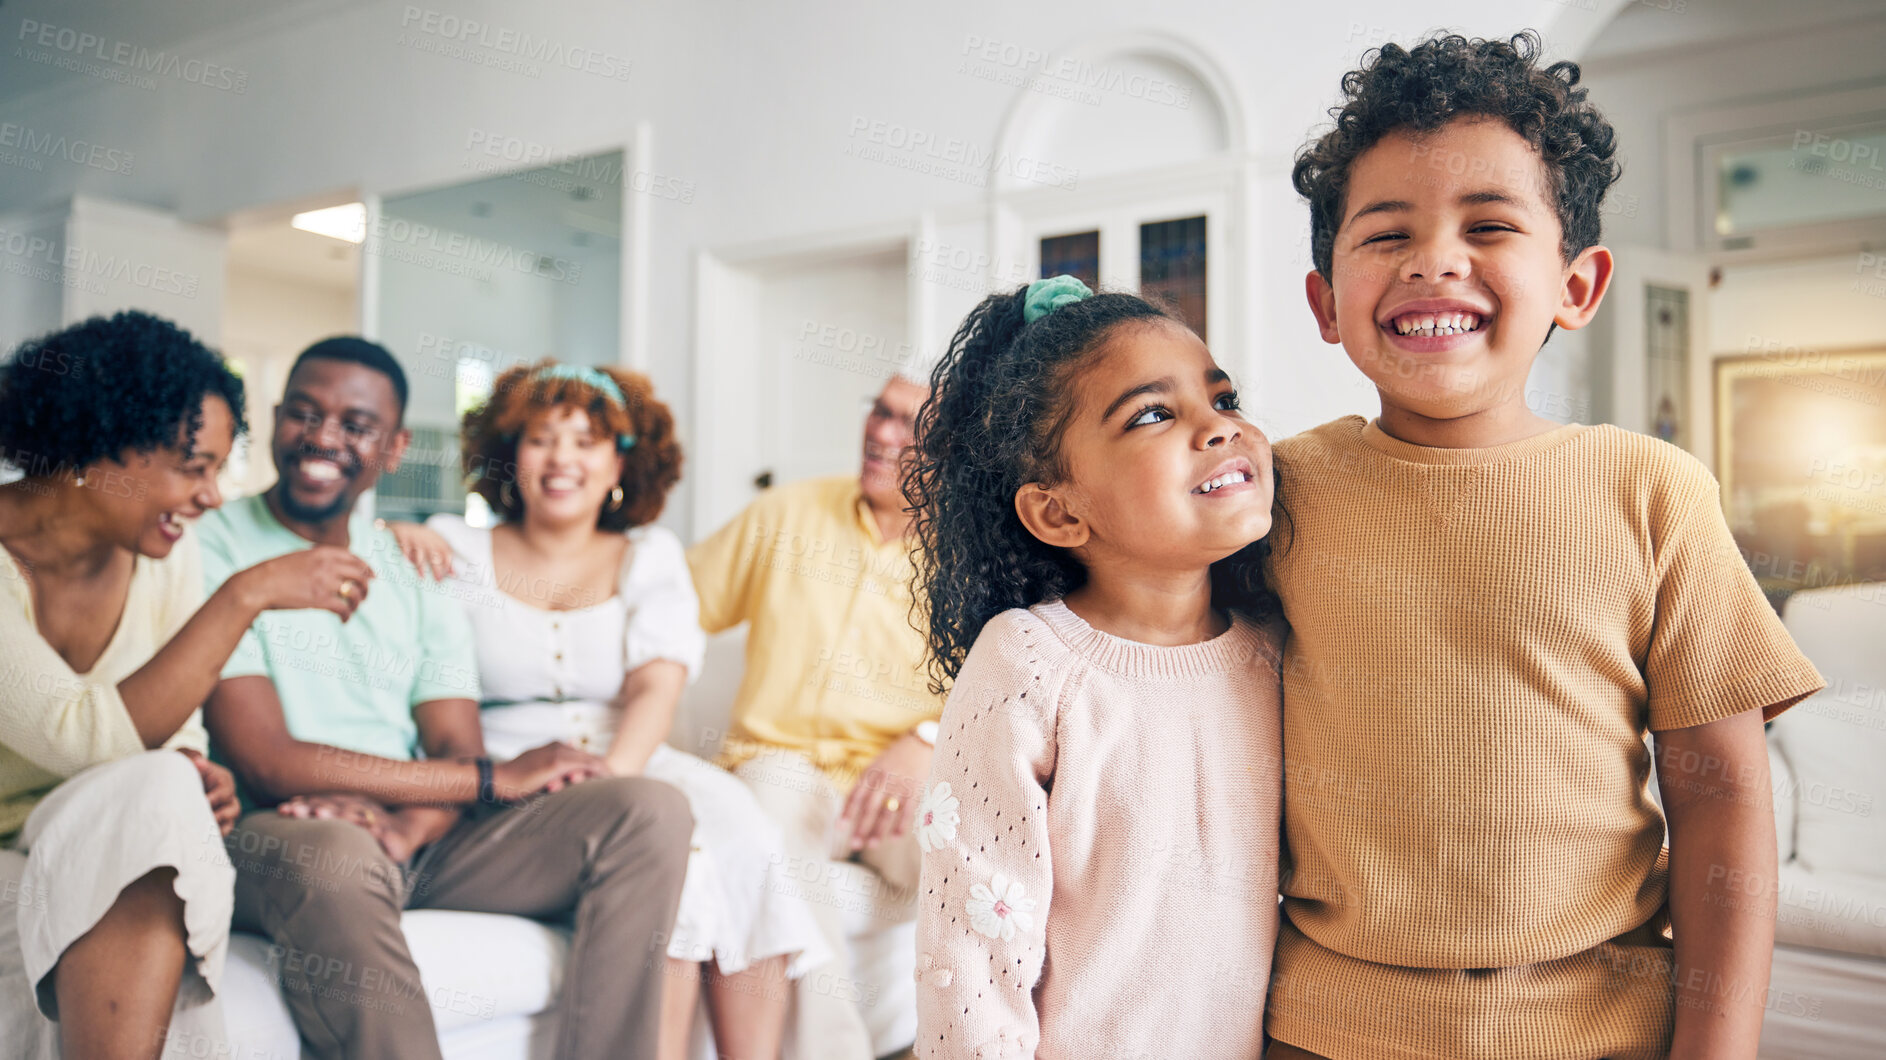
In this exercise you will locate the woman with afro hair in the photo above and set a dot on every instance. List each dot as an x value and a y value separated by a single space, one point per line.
110 841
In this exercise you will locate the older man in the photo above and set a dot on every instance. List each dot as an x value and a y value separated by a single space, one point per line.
834 724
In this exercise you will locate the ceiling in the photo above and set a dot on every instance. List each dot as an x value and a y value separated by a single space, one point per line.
569 210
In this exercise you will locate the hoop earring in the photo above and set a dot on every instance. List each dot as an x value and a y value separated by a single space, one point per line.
615 499
505 497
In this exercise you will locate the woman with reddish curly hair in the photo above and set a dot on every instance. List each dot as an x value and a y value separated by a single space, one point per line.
587 630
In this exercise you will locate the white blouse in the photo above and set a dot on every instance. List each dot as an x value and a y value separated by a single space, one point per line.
552 675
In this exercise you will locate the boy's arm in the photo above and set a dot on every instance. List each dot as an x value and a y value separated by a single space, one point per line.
1716 795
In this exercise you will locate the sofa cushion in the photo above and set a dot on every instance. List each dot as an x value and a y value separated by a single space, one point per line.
1836 739
1831 911
1781 779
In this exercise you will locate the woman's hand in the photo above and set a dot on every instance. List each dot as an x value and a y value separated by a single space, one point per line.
326 576
219 786
549 768
423 548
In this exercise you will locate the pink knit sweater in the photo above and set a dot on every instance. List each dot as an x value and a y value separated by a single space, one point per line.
1100 836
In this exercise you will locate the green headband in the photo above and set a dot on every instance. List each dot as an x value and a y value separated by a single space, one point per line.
578 373
1046 296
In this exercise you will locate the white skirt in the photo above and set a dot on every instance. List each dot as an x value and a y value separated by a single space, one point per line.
737 904
95 834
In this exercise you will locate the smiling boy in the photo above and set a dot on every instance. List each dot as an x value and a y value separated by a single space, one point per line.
1488 610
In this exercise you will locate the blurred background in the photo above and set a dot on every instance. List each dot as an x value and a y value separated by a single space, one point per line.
769 208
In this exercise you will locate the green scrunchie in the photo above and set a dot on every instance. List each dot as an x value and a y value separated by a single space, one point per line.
1046 296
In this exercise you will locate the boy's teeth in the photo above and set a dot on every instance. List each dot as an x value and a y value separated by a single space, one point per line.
1430 324
1223 480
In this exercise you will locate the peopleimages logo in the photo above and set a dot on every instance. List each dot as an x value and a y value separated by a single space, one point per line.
41 257
505 41
30 141
79 45
421 244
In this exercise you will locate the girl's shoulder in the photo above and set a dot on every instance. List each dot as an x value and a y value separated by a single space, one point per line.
1016 642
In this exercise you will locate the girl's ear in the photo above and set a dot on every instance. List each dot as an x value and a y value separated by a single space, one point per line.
1047 516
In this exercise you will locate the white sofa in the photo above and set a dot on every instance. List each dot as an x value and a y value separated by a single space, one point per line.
492 980
1827 996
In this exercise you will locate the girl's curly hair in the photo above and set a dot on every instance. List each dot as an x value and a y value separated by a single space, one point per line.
132 382
1000 400
1447 77
650 468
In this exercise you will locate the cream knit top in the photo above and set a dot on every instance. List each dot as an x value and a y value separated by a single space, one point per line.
55 722
1100 829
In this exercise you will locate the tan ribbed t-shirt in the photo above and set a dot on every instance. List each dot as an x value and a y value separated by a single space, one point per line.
1479 640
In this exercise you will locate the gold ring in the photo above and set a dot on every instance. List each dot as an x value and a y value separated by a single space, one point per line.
346 591
892 803
370 817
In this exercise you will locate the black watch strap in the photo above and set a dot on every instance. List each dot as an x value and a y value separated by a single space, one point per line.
487 790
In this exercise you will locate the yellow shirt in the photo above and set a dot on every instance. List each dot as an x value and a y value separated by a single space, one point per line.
55 722
1479 640
834 667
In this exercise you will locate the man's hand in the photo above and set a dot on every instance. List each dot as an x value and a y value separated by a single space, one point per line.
354 809
549 768
882 804
399 832
219 786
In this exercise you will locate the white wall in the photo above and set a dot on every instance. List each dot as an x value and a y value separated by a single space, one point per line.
1825 304
1639 92
267 321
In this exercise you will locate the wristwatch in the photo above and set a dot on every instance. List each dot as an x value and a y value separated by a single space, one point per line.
926 731
487 790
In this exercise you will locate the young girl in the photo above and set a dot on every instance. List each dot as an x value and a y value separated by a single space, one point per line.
1100 829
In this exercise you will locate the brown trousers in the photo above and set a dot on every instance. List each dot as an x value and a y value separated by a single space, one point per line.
607 854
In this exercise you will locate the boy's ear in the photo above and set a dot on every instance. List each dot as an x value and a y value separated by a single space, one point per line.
1047 516
1586 280
1322 303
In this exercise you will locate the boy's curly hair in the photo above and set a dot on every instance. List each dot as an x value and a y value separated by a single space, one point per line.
104 387
649 469
1447 77
1000 400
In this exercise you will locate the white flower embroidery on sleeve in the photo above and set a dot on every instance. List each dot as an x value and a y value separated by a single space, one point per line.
937 817
999 910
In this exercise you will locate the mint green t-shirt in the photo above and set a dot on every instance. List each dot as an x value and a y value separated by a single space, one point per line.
352 684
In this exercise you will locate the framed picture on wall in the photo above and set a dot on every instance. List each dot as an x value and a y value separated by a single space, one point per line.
1801 455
